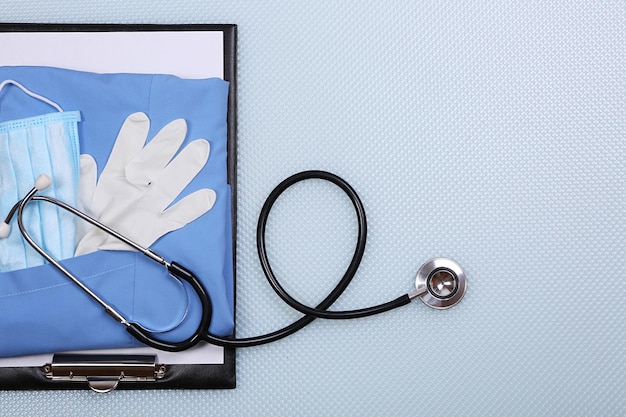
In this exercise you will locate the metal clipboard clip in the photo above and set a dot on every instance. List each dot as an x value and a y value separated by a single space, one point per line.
103 373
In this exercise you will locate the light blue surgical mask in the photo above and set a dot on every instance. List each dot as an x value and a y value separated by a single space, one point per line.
44 144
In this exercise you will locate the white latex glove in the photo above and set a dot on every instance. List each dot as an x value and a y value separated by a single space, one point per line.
139 183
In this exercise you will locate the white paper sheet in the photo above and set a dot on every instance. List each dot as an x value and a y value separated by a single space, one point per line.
187 54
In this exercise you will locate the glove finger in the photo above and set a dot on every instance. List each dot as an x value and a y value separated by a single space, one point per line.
179 173
86 189
148 164
182 213
90 242
185 211
115 245
87 181
129 142
99 240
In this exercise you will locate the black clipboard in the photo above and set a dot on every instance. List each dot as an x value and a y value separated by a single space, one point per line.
149 375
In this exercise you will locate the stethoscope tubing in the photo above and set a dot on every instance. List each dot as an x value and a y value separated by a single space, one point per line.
321 310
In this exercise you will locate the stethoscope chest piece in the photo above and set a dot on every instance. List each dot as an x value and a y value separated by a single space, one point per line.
441 282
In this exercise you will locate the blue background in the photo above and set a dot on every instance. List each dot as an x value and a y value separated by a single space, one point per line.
489 132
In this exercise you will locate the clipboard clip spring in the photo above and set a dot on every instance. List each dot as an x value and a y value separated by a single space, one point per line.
103 373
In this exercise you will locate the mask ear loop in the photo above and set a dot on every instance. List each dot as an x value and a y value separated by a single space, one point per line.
30 93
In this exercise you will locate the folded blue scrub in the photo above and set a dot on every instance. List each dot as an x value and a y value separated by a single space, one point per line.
41 311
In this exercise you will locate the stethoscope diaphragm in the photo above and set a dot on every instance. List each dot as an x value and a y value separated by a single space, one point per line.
441 283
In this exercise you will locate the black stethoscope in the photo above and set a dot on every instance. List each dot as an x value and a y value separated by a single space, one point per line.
440 283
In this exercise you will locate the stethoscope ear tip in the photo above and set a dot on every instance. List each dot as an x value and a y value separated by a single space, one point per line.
42 182
5 229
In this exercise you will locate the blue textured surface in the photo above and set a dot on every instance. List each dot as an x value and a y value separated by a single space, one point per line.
488 132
